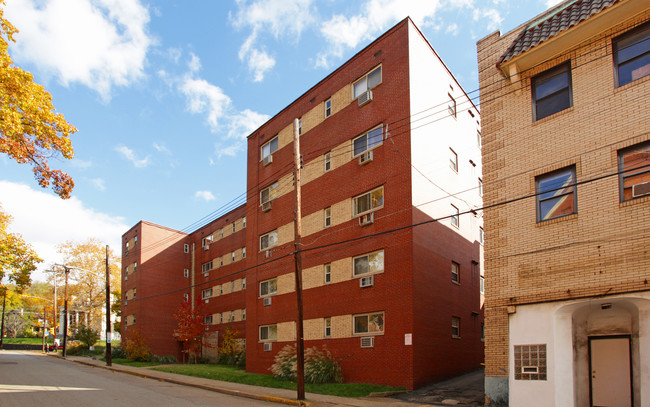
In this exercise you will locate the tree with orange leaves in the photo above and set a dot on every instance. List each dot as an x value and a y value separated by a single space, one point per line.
191 328
30 129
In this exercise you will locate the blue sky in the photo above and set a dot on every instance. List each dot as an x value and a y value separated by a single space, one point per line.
163 94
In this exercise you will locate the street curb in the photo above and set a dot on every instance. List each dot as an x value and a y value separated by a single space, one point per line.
236 393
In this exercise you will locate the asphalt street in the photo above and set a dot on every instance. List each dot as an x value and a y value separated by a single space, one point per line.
29 379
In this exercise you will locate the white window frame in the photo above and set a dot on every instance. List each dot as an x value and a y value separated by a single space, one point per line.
481 235
269 245
328 216
452 106
243 222
232 255
207 320
357 262
234 228
270 333
453 160
455 272
271 287
186 248
362 83
455 327
328 328
269 148
327 273
368 317
186 273
271 192
207 293
480 187
372 206
243 252
300 126
243 283
327 162
366 146
455 217
207 266
328 108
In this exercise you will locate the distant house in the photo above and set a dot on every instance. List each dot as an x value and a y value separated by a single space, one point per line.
391 179
566 136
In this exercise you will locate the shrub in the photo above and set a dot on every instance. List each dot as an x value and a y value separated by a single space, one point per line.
320 366
165 360
136 348
86 335
230 351
117 352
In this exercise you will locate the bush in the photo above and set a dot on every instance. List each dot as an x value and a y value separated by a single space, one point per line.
165 360
320 366
86 335
136 348
117 352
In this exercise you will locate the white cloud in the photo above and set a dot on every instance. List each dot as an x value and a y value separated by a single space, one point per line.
205 195
98 183
45 221
280 18
130 155
194 64
203 97
553 3
98 43
161 148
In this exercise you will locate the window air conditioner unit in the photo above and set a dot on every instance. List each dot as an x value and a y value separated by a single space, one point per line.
366 281
366 219
206 247
268 346
365 97
266 206
368 342
641 189
268 159
267 254
267 301
365 158
206 275
207 300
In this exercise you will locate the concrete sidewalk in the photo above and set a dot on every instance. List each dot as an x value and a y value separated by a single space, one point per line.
244 390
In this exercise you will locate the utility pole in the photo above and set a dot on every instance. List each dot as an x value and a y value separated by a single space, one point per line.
65 313
56 311
4 302
108 313
300 346
44 324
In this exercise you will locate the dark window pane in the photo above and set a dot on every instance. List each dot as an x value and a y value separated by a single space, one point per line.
556 207
634 69
360 145
554 184
375 137
630 49
553 104
551 84
374 78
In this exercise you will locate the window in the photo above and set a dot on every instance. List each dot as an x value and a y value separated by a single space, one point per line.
186 297
269 287
455 219
205 242
552 91
369 323
530 362
269 240
207 293
369 81
328 217
632 55
243 222
327 268
221 233
206 266
480 187
369 263
268 332
328 108
135 266
453 160
556 194
186 248
455 272
268 194
634 169
455 327
243 314
368 140
479 142
233 227
243 283
220 318
186 273
369 201
243 252
207 320
270 147
232 256
328 327
482 285
299 126
232 316
328 162
220 261
481 235
451 105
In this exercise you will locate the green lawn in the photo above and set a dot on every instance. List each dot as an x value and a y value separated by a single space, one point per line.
231 374
25 341
129 362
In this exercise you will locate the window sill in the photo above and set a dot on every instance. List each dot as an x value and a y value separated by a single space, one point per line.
455 282
455 337
634 201
557 220
356 334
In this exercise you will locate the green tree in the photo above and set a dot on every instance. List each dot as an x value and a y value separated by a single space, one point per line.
30 129
17 258
86 335
116 309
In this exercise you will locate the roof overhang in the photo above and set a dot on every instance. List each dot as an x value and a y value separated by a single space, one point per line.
558 44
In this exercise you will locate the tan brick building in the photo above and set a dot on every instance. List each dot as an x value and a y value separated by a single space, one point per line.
566 153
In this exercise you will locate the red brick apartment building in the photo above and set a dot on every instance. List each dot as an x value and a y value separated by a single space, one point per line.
389 140
566 131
